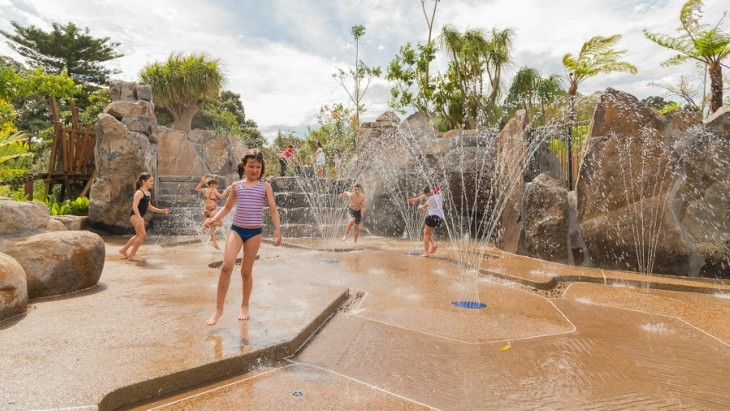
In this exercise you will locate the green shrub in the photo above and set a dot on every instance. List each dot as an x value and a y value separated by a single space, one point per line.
79 206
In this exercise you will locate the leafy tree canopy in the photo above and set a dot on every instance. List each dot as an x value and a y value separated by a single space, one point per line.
65 46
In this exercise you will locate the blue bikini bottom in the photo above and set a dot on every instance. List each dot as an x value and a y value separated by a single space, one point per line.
246 233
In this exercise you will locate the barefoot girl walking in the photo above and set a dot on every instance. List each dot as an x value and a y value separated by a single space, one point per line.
140 206
249 195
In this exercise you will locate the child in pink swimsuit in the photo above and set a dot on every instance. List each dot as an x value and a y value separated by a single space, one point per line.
211 196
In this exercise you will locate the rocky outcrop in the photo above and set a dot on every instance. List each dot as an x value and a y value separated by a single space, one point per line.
13 288
702 195
120 155
58 262
511 156
199 152
623 188
545 223
72 222
129 142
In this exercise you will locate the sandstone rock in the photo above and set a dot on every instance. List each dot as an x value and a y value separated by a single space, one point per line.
678 122
203 137
623 188
719 121
122 109
120 157
58 262
123 91
13 288
388 117
19 216
702 200
545 224
144 92
55 225
451 133
176 155
140 124
509 177
72 222
418 121
217 155
615 238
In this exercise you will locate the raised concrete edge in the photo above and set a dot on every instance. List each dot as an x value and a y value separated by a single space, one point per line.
225 368
609 280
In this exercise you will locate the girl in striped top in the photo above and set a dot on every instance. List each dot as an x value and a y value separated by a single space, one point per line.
249 195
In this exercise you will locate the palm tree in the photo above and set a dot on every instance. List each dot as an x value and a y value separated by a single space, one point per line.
498 56
529 87
473 54
596 56
699 42
183 84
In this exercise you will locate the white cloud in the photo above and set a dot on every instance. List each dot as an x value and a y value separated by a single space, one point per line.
282 67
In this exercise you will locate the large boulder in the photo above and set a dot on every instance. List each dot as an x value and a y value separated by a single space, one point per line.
13 288
58 262
512 156
19 216
120 155
623 187
122 109
545 220
702 199
178 156
380 145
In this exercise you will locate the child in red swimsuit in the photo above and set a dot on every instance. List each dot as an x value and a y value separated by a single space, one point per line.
211 196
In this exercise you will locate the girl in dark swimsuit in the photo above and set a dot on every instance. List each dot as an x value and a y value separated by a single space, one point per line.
211 196
140 206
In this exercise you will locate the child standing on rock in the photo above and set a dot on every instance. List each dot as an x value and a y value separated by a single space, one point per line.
249 196
356 207
434 217
140 206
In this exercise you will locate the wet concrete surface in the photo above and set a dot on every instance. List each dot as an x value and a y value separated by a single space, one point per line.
588 346
146 321
397 343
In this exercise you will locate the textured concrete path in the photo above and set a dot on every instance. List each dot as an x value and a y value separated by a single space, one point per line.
142 330
402 345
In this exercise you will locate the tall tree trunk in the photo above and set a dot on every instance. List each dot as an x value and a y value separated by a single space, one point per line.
184 121
571 119
715 86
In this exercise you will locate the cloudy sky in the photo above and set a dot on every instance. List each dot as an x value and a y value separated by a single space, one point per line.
280 54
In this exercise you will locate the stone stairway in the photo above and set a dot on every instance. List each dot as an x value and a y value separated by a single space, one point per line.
309 207
186 205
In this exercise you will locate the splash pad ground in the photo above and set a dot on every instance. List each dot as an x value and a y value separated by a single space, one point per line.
551 336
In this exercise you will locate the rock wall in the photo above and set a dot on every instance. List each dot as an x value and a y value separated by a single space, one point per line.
129 142
653 193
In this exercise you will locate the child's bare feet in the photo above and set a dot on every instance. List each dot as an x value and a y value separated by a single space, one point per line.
215 245
344 238
124 253
425 255
244 313
214 318
433 248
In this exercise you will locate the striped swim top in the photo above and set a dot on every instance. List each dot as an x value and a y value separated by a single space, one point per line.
249 203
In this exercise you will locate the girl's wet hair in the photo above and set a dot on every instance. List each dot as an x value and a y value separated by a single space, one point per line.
253 155
212 181
427 190
141 179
